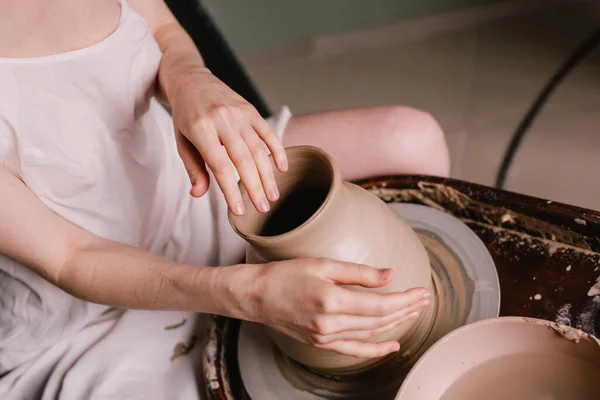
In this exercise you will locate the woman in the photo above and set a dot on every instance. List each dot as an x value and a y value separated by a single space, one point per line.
106 253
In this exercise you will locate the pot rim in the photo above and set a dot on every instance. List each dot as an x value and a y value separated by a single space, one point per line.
335 183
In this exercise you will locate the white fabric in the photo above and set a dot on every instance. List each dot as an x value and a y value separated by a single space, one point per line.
83 131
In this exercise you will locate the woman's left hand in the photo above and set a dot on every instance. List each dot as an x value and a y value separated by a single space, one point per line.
213 126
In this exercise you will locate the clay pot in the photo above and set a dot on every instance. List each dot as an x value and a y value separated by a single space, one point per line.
507 358
319 215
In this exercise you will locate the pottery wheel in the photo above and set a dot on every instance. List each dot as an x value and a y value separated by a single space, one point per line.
467 289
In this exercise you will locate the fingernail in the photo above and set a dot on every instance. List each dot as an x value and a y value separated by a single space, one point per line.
273 194
284 165
424 303
426 295
386 273
238 209
394 347
263 205
413 315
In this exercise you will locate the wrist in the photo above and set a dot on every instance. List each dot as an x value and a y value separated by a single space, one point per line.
174 76
238 291
180 57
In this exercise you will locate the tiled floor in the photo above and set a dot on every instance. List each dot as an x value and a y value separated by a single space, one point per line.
478 83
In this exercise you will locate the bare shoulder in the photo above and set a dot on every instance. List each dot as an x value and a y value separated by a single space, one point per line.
155 12
35 28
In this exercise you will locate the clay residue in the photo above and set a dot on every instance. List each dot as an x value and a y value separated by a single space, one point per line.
211 350
223 362
586 321
447 199
563 315
182 349
525 240
595 290
214 362
569 333
175 326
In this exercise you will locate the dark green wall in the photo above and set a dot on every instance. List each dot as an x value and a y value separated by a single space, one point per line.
259 24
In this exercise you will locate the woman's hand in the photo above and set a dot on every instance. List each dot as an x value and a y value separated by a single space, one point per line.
303 299
214 125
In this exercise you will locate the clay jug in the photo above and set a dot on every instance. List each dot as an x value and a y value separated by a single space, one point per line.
319 215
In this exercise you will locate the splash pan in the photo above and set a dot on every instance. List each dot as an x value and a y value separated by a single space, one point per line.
508 358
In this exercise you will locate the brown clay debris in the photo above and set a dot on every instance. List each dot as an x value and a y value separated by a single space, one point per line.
175 326
445 198
181 349
572 334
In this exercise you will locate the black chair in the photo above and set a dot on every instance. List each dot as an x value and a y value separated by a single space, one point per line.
217 53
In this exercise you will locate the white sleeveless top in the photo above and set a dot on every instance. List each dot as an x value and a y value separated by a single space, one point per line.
84 132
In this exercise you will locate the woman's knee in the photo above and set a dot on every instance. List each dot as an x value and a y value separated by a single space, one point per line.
413 142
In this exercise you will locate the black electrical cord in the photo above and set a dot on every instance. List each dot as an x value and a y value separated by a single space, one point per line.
584 49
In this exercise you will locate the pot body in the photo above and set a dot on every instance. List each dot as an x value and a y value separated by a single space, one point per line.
342 222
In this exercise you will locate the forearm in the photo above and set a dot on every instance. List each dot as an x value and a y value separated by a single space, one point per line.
106 272
123 276
179 51
179 54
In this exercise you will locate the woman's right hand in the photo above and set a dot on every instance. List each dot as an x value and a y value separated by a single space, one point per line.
303 299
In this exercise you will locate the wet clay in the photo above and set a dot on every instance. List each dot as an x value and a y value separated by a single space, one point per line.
181 349
320 216
528 376
175 326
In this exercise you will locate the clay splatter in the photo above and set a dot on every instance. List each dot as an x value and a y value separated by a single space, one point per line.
175 326
567 332
580 221
595 290
587 317
181 349
563 315
537 297
568 268
507 218
210 355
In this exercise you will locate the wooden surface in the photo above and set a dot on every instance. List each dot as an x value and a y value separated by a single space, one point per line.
547 255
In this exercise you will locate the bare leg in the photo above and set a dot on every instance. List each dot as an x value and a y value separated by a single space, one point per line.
375 141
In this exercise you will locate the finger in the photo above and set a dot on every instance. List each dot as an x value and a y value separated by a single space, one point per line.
331 325
263 164
272 140
357 274
378 304
194 165
244 163
218 161
360 349
366 334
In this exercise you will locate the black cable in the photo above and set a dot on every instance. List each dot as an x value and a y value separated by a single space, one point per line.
584 49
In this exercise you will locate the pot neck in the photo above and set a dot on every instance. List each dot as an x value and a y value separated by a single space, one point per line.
307 191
